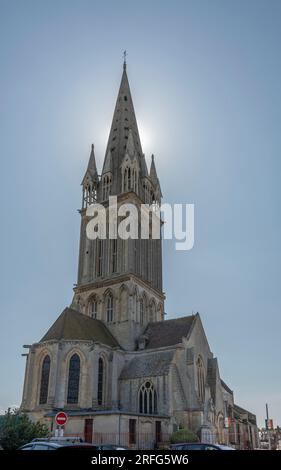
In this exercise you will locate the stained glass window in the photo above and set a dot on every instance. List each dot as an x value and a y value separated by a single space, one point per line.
100 381
73 379
45 373
147 399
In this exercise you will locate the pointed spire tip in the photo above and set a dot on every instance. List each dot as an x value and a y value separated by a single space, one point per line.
124 60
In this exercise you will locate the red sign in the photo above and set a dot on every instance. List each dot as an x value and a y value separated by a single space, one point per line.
61 418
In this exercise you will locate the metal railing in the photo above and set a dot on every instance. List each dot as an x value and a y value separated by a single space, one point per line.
134 441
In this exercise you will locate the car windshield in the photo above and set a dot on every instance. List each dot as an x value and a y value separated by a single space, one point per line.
222 447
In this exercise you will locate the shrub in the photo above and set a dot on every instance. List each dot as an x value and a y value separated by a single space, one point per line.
16 429
183 435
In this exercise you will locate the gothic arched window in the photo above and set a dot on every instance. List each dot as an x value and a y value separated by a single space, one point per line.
128 179
109 308
200 379
114 255
147 399
125 180
100 381
93 307
73 379
141 312
106 186
89 193
134 180
99 257
44 384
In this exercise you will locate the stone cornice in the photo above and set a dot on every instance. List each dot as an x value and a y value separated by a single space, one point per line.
117 280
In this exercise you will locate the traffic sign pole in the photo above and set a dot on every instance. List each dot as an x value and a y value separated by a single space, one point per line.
60 419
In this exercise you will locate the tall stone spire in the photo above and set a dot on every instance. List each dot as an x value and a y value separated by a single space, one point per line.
115 274
124 121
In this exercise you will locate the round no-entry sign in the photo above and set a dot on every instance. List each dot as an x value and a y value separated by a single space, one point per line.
61 418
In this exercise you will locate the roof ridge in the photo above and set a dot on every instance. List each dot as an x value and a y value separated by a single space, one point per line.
64 315
173 319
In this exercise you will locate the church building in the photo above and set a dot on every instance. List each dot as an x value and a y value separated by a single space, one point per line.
122 372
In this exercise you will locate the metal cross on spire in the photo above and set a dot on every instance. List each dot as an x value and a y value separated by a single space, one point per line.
124 57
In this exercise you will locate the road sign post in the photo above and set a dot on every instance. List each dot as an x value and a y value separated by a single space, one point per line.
60 419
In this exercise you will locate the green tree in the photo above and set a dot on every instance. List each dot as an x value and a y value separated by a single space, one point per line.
16 429
183 435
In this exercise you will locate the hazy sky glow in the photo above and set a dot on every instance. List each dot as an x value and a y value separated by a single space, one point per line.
205 80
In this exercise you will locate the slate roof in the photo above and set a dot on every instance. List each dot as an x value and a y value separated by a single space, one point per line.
241 411
145 365
73 325
226 387
168 332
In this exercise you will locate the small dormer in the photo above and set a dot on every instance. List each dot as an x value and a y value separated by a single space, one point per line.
142 342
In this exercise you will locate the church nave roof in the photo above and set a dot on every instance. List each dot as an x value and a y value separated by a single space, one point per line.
168 332
148 365
73 325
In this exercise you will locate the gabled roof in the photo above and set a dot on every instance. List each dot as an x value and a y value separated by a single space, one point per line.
73 325
148 365
226 387
168 332
244 414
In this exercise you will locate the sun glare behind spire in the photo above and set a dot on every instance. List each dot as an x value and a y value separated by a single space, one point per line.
145 137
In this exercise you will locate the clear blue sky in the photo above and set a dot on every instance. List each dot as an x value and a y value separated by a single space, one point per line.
205 79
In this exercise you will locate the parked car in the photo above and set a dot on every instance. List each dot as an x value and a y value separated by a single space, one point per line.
199 446
110 447
67 443
56 445
73 439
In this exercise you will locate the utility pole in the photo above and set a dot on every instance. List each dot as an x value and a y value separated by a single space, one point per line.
267 428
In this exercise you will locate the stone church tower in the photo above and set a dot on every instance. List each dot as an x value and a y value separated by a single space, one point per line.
122 373
120 281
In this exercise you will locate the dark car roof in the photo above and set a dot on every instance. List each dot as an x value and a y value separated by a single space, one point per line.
59 445
216 446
